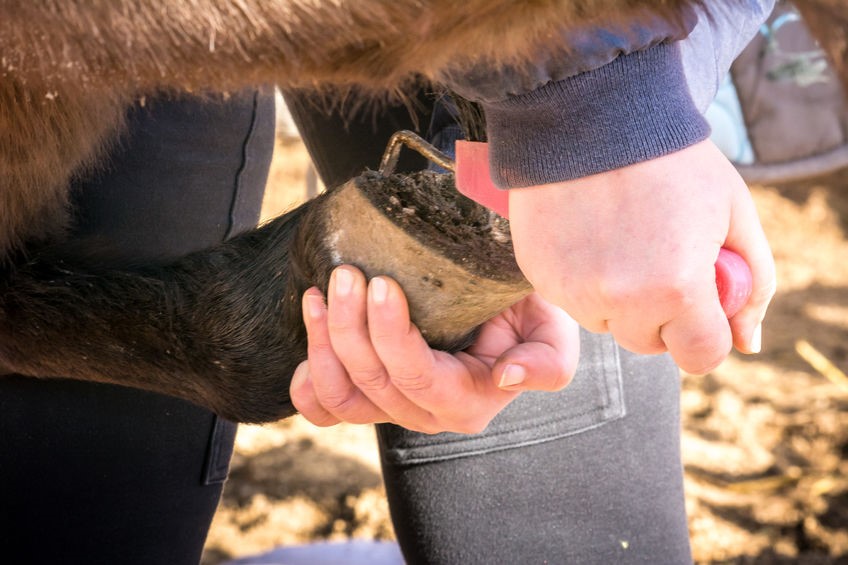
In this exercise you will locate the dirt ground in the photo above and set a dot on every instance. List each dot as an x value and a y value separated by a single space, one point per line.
765 438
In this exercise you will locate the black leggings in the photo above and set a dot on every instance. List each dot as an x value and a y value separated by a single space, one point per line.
591 474
100 474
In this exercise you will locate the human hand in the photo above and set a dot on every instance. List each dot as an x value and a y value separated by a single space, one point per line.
632 252
368 363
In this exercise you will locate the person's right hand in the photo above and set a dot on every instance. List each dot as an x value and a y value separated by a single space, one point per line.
632 252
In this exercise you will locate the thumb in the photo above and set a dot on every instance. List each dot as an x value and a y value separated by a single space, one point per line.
747 238
546 357
536 366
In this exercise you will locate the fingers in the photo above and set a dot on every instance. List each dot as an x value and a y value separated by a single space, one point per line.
683 316
533 366
546 359
630 334
344 379
305 400
746 237
404 353
351 334
457 390
699 339
332 396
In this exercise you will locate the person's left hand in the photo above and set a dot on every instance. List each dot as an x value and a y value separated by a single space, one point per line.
368 363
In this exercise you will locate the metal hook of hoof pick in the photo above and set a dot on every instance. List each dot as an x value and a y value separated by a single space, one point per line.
414 141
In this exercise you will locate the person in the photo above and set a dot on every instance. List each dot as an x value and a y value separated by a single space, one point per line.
618 208
589 474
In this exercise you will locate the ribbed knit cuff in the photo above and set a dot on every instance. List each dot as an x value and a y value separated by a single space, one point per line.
631 110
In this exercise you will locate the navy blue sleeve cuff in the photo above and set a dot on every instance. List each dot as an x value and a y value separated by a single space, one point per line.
634 109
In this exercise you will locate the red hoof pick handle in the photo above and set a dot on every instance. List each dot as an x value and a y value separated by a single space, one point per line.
733 276
733 280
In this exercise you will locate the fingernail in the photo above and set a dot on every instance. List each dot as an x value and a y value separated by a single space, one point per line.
342 282
512 376
379 290
757 339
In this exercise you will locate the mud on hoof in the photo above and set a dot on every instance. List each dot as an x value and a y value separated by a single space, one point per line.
452 257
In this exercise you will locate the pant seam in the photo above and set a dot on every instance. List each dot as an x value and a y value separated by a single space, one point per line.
610 407
246 160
